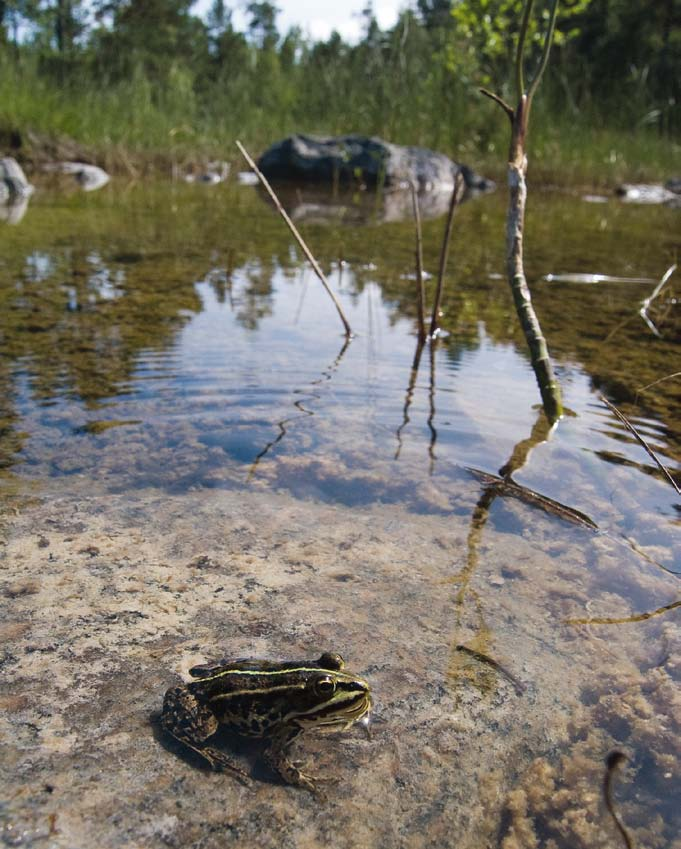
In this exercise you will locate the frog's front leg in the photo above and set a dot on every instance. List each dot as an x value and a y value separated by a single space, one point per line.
192 723
276 756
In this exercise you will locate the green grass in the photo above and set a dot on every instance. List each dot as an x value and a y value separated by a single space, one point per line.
136 126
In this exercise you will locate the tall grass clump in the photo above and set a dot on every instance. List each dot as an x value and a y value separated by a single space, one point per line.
185 87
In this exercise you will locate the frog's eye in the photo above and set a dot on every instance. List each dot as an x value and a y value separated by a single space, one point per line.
325 686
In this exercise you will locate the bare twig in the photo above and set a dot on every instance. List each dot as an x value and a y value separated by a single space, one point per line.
457 195
520 83
659 380
515 219
506 487
420 293
643 312
612 762
623 620
292 227
641 442
546 49
495 97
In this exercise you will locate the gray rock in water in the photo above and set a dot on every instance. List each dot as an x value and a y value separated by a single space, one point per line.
216 172
648 193
12 213
89 177
13 183
366 161
322 204
674 185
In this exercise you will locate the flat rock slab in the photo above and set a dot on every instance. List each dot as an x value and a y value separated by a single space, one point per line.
106 601
364 160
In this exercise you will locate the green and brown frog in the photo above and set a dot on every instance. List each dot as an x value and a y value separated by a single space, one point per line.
268 699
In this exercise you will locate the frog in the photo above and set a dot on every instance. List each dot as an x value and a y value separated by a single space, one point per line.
273 700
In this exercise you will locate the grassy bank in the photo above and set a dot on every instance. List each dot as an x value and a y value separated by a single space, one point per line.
136 127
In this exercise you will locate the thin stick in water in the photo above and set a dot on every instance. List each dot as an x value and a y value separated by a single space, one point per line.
420 293
518 686
643 312
292 227
641 442
612 762
659 380
457 195
623 620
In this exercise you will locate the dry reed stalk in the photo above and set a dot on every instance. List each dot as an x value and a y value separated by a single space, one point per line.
659 380
420 293
457 194
292 227
641 442
643 312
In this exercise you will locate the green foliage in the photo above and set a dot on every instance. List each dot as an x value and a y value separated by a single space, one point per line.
148 76
630 53
262 25
486 34
435 14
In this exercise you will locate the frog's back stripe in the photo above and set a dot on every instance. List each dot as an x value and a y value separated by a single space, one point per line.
347 676
233 694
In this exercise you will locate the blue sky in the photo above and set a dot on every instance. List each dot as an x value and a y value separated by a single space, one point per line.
318 18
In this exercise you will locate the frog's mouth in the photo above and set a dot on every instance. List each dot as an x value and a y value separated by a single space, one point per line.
341 712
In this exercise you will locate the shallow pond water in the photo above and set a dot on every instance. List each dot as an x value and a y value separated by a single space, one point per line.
196 464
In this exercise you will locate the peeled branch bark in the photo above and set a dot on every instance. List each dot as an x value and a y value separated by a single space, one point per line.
515 221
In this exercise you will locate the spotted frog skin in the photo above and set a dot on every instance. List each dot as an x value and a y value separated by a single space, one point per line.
268 699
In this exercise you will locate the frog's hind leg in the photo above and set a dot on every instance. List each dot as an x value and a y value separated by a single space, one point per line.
276 756
192 723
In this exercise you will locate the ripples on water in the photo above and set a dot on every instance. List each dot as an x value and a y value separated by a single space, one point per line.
170 341
145 352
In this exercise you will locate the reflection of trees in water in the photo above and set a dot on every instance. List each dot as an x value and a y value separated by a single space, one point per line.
82 323
10 439
248 289
253 297
77 325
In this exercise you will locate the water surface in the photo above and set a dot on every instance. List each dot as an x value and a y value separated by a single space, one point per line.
176 385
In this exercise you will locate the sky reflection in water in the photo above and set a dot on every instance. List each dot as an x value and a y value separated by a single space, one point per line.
143 355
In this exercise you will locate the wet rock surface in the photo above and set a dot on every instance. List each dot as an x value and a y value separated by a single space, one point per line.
364 160
13 182
15 190
318 204
650 193
88 177
106 601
